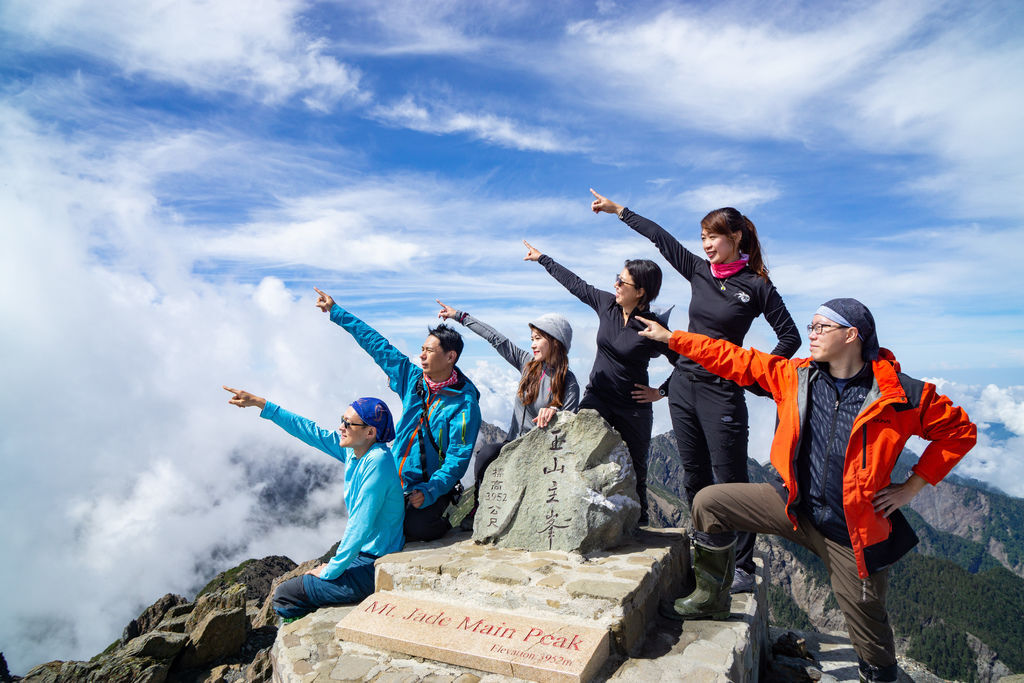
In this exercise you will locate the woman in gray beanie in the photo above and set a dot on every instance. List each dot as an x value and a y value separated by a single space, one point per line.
547 384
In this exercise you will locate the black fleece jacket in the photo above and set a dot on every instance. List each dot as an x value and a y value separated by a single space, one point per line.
622 354
721 309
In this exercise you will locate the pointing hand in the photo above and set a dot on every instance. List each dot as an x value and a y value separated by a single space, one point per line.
324 301
531 253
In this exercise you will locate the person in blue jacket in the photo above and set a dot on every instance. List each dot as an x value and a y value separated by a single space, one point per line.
373 497
440 417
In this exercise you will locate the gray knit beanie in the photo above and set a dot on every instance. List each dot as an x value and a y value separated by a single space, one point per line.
852 313
555 325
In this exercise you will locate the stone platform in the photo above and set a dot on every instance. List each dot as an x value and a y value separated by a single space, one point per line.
615 590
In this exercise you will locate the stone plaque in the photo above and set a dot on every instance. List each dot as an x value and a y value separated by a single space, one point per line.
483 639
568 487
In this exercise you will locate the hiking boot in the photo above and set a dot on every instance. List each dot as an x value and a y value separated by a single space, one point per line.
742 582
713 571
881 674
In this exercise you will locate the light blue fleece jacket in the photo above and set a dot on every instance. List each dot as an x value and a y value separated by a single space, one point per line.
454 414
373 491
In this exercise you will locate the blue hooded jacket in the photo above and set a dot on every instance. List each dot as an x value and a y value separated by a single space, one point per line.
454 415
373 493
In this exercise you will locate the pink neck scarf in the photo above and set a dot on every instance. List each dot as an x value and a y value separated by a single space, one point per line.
435 387
721 270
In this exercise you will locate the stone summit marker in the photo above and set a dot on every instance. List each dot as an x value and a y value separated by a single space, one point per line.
568 487
484 639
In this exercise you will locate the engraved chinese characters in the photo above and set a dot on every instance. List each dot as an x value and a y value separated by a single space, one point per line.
568 487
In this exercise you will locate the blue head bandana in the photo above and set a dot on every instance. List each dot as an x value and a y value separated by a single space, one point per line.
375 413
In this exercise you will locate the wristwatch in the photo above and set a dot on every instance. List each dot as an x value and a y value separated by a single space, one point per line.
662 391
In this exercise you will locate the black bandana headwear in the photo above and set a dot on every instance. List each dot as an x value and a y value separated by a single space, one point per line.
375 413
852 313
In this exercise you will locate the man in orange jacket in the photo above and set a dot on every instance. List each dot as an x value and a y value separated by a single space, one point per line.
844 415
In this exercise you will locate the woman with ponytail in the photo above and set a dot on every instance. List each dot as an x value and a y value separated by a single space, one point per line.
547 384
728 291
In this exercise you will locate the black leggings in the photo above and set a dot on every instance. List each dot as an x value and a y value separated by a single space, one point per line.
633 422
710 421
427 523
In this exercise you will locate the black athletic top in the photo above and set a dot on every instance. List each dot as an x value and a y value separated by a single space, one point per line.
622 354
720 308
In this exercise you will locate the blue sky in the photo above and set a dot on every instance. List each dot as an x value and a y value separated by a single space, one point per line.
178 176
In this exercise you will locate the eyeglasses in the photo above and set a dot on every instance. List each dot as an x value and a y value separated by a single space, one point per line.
821 328
619 281
349 425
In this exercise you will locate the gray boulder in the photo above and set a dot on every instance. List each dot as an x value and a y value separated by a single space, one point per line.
151 616
221 633
109 670
568 487
219 601
156 644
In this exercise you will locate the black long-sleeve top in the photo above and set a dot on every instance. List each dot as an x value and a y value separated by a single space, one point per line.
720 308
622 354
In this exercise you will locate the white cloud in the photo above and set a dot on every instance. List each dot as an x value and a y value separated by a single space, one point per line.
743 196
413 27
126 454
1004 405
256 49
711 70
333 240
440 119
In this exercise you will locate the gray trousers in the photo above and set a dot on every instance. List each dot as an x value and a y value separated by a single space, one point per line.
758 508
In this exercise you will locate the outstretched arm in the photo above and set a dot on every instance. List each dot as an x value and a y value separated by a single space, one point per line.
723 358
681 258
585 292
516 356
395 364
301 428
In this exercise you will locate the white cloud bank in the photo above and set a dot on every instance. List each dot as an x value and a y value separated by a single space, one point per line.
257 49
128 474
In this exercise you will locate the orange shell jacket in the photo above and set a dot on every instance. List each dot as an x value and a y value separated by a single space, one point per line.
877 438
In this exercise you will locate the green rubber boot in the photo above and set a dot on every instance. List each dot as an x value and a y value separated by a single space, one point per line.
713 570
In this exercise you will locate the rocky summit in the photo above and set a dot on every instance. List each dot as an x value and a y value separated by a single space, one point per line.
491 606
569 487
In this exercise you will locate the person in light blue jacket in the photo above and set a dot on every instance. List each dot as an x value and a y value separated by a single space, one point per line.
440 417
373 496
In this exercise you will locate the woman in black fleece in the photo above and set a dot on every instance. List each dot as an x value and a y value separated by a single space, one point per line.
728 290
619 375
